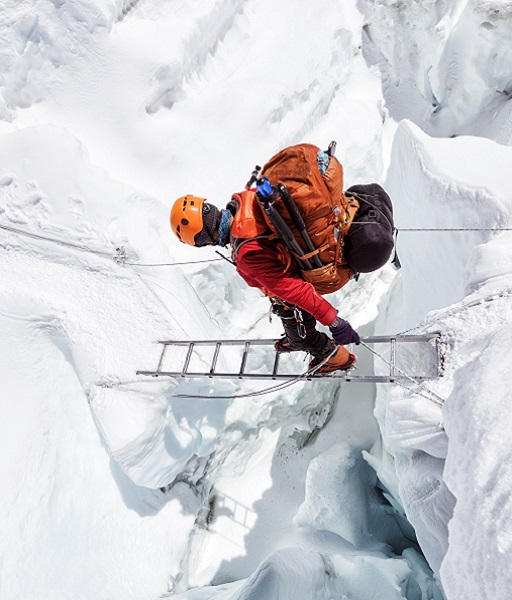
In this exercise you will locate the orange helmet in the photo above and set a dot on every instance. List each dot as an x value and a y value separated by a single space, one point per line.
187 218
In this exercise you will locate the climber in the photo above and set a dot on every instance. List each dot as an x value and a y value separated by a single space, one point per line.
262 262
297 236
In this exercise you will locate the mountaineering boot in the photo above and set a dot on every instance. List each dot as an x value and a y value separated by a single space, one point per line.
283 345
340 361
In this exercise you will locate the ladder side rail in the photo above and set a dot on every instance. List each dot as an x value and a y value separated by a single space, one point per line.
287 376
382 339
373 339
275 368
439 363
255 342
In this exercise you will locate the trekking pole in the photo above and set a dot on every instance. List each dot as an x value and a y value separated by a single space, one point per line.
298 221
267 195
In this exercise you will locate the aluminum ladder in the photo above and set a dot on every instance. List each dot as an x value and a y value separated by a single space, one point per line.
208 352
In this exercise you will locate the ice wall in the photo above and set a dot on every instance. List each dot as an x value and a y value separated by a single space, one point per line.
444 64
458 283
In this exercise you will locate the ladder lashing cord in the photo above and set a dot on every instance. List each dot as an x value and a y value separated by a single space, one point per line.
434 397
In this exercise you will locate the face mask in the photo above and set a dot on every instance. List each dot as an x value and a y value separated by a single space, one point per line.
211 219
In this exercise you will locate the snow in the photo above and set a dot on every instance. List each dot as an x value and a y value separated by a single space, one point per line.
120 486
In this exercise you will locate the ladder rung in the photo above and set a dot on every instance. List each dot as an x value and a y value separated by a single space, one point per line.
244 358
187 358
215 357
392 371
276 363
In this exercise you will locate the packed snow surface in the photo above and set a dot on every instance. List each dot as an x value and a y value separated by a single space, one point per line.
119 486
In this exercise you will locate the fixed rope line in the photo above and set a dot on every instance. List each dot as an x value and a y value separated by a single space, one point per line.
454 228
274 388
193 262
447 312
398 229
269 390
434 397
189 262
417 393
119 257
37 236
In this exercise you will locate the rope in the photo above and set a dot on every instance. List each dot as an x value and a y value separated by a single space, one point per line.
454 310
274 388
455 229
398 229
194 262
37 236
438 228
119 257
434 397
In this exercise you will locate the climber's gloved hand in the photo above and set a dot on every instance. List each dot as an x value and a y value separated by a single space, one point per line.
342 333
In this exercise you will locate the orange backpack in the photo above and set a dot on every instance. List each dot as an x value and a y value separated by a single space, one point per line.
326 211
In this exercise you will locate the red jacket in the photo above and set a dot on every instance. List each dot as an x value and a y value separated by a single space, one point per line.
259 264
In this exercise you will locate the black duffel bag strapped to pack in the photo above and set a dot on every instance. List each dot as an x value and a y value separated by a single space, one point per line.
369 242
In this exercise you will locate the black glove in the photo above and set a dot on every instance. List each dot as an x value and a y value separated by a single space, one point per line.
342 333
